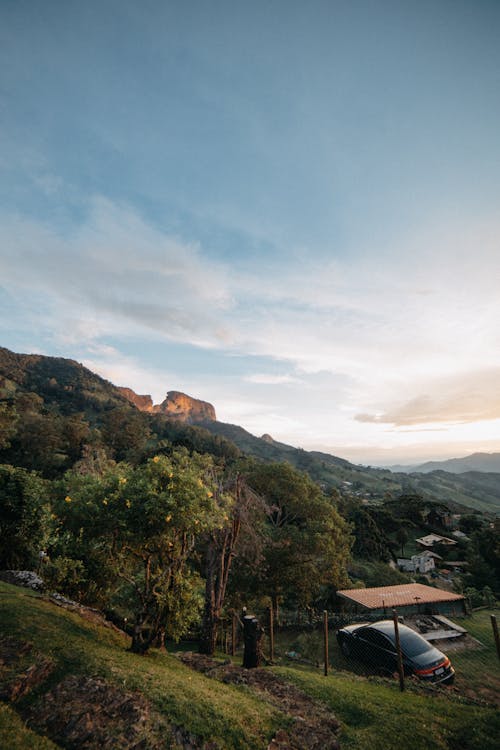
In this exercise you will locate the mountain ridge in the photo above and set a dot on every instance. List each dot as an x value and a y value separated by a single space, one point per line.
480 461
53 386
176 404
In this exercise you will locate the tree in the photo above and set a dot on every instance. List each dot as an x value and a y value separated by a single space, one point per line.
147 520
26 525
8 420
370 542
402 537
483 557
125 431
237 500
470 523
306 541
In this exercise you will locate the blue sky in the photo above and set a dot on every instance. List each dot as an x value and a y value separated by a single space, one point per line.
289 209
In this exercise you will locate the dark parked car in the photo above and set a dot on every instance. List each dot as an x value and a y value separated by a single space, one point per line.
375 644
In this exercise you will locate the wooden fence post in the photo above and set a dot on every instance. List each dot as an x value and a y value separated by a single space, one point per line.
325 636
271 633
494 625
398 650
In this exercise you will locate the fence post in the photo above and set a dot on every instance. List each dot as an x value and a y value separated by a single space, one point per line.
325 635
233 635
271 632
398 650
494 625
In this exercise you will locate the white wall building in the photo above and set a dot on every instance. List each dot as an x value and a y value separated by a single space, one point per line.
422 563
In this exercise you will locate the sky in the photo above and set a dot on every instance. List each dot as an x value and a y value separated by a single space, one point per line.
288 209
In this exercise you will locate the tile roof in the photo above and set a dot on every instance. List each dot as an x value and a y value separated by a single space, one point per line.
431 539
398 596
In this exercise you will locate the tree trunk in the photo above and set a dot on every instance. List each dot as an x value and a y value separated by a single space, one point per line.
275 606
160 639
208 639
219 557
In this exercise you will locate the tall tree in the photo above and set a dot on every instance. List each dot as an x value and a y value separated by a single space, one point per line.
148 520
26 525
237 501
307 543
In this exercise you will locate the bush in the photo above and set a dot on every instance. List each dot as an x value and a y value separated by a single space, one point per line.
66 576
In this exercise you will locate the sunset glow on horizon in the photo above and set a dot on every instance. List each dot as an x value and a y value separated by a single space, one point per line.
289 210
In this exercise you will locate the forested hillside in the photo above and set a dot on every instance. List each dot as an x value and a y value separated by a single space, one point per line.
473 490
166 524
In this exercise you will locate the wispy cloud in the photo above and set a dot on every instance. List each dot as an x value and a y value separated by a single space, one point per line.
266 379
402 341
473 397
114 273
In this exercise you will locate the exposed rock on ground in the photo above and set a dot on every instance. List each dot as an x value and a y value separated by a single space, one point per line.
26 578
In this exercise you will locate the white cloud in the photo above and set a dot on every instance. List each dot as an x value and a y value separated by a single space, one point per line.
126 371
267 379
474 397
115 273
402 339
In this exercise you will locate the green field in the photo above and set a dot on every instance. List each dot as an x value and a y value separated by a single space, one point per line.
372 712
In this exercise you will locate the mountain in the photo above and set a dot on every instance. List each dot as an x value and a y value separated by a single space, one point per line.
51 407
487 462
176 405
64 385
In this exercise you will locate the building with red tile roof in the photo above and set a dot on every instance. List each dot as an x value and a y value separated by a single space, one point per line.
407 597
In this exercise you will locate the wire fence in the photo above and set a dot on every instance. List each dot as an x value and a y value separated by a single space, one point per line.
420 652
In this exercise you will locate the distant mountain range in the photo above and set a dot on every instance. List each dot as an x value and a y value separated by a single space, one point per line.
488 462
64 388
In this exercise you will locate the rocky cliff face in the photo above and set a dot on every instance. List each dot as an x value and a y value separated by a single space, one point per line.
143 403
176 405
185 408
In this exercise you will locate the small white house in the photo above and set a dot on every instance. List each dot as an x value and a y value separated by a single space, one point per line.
422 563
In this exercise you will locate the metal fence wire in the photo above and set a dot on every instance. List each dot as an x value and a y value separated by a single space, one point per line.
420 652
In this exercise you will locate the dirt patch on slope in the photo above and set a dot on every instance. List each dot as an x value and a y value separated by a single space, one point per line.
81 712
313 726
89 713
21 669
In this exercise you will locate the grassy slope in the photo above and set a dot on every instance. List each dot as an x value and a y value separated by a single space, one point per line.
379 717
15 735
210 710
373 713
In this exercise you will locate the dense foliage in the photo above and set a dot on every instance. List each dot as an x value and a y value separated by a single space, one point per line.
164 524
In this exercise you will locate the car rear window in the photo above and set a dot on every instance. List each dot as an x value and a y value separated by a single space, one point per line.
412 643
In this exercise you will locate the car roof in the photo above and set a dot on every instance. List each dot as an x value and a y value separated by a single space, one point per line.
386 627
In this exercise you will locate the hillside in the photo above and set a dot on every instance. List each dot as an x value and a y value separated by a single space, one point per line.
64 406
487 462
65 386
69 676
472 490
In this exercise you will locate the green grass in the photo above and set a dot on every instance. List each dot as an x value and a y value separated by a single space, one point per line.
213 711
373 713
478 670
378 717
15 735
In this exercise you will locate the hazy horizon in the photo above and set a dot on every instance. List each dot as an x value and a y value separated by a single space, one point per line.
289 210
